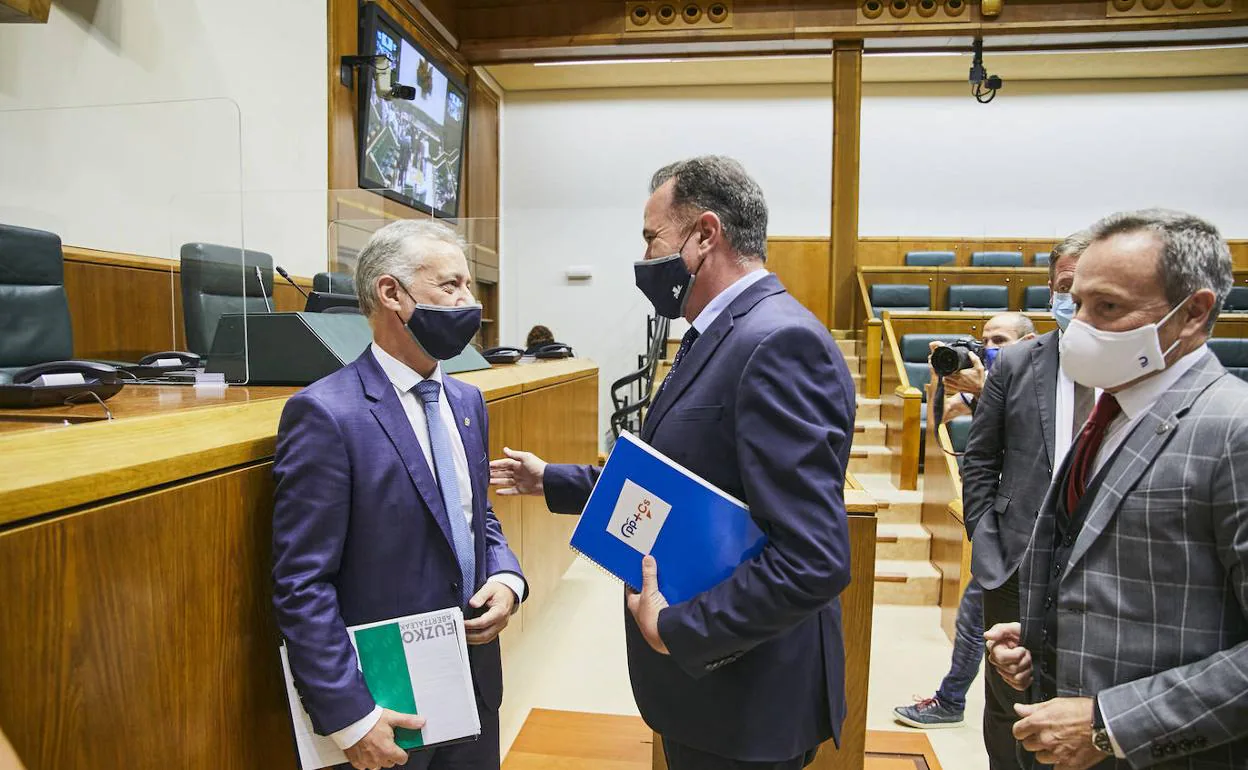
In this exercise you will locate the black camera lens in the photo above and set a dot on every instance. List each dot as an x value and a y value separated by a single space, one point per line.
946 360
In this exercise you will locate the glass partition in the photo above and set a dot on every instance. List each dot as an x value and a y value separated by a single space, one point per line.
95 204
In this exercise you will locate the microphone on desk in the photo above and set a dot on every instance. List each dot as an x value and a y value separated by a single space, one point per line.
260 278
282 272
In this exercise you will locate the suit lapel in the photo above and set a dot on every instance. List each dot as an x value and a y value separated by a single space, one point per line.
693 362
1044 363
1138 451
393 421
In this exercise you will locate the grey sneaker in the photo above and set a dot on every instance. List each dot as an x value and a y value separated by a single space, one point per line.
928 714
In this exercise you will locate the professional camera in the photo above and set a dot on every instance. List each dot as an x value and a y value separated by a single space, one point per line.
955 356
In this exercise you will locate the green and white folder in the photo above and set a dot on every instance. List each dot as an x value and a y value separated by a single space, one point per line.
417 664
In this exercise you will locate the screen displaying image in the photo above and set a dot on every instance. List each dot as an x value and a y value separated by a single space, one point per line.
412 150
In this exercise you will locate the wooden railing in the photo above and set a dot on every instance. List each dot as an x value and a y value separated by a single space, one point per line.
900 410
942 517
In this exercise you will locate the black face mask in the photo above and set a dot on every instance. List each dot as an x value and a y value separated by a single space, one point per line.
666 282
443 332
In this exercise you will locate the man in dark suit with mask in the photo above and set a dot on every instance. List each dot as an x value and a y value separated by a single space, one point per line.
381 507
760 403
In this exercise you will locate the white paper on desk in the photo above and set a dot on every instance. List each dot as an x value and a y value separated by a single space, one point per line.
436 651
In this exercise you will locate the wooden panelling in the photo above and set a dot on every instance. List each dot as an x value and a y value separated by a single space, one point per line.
123 313
124 306
507 426
846 138
498 30
19 11
8 757
802 266
154 611
560 426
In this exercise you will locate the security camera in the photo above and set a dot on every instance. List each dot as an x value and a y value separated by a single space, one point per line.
386 80
983 86
385 77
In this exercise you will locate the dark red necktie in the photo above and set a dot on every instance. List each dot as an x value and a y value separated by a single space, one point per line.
1088 445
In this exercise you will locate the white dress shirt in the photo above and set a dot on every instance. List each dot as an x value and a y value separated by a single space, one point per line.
405 379
1064 427
720 302
1138 399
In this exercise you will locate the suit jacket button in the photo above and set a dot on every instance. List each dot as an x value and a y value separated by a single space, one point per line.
455 587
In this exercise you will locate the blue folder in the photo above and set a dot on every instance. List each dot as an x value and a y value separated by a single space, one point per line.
644 503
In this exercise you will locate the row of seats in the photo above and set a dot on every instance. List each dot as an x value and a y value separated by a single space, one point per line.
978 258
215 280
900 297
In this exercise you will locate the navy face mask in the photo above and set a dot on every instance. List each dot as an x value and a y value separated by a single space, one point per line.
666 282
443 332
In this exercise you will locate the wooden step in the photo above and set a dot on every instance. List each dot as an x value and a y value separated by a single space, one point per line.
870 459
868 409
870 432
909 582
903 542
848 347
672 347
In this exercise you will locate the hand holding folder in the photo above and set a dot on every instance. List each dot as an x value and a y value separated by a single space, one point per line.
646 504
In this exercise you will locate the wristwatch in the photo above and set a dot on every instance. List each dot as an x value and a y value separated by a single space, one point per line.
1100 734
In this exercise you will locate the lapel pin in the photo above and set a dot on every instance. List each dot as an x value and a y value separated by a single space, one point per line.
1165 426
467 422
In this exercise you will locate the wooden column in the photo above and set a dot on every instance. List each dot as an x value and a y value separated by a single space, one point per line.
846 138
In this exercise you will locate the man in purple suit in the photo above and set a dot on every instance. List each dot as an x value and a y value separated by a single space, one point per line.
381 507
760 403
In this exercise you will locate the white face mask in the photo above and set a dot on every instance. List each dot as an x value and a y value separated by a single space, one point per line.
1101 359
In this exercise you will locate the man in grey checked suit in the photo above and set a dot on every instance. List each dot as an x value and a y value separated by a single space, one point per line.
1026 406
1134 637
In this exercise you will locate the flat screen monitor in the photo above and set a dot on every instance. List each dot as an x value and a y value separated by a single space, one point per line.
410 151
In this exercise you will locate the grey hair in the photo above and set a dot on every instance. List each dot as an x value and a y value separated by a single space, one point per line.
1074 245
720 185
1194 255
388 253
1021 324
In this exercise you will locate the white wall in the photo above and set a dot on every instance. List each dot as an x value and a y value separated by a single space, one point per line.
1045 159
252 117
1042 160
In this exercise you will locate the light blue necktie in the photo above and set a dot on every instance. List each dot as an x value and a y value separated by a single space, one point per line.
448 480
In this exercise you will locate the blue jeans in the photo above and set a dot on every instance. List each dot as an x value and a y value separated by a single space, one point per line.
968 649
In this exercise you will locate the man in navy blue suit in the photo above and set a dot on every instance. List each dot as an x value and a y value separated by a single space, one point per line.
381 507
759 402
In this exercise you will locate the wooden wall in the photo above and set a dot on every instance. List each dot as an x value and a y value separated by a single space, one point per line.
802 266
20 11
124 306
491 30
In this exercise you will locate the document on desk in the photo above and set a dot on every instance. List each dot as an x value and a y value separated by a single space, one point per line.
417 664
645 503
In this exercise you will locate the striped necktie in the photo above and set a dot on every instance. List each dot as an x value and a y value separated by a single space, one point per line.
448 481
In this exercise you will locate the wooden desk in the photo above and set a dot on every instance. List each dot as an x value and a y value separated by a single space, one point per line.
136 554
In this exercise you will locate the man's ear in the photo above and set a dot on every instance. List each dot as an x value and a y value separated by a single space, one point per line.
389 293
1198 309
710 229
1028 336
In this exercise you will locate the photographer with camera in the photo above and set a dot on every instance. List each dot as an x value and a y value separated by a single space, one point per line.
962 367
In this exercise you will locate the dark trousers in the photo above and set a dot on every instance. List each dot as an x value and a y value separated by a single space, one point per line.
1001 605
481 754
682 757
968 649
